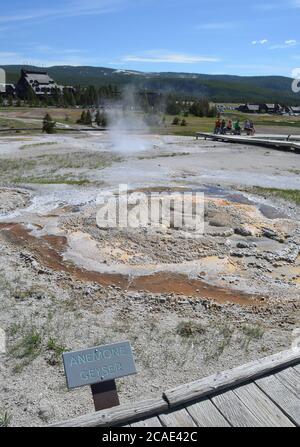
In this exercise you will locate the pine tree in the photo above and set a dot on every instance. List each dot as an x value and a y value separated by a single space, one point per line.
48 124
88 120
98 118
104 121
173 107
82 119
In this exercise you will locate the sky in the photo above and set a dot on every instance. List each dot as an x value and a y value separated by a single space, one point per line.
216 37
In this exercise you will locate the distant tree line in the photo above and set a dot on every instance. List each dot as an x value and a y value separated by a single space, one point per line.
79 96
86 118
200 108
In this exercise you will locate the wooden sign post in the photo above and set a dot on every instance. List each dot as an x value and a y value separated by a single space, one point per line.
105 395
99 367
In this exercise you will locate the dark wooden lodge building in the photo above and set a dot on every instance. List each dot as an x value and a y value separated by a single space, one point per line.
40 82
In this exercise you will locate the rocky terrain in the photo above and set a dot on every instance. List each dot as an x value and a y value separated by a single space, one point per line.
190 306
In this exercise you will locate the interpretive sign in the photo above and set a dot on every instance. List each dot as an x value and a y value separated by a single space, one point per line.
98 365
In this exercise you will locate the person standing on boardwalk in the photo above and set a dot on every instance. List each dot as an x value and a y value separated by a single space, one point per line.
229 126
252 128
223 127
237 127
218 127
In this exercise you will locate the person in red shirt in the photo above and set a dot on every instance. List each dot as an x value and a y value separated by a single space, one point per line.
229 126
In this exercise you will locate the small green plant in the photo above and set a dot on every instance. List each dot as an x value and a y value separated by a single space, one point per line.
176 121
14 329
5 419
56 350
188 329
30 344
250 333
27 349
55 347
224 334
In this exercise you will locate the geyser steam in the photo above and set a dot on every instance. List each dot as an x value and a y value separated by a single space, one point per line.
127 128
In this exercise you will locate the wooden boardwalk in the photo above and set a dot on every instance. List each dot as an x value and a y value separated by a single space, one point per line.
263 393
280 142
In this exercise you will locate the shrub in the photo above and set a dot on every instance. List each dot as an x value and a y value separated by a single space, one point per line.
188 329
82 118
48 124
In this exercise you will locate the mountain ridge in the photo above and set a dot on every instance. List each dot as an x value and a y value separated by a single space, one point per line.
219 88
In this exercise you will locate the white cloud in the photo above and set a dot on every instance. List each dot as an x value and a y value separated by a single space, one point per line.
8 57
287 44
260 42
70 8
291 42
159 57
52 51
8 54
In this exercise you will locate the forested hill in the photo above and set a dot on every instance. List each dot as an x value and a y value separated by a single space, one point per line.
219 88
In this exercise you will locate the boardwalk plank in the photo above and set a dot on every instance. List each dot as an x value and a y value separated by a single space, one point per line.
297 368
282 396
152 422
124 414
262 407
205 414
180 418
235 411
228 379
291 379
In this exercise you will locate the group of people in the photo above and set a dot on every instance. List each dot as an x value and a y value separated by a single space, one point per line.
222 128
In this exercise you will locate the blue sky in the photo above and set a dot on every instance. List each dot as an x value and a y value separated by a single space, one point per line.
232 37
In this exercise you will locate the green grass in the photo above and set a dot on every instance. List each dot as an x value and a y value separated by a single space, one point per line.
197 124
45 169
5 419
291 195
47 181
56 349
189 329
250 333
9 123
173 154
194 124
33 145
26 349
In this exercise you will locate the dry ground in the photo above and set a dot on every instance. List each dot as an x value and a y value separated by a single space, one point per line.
189 306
